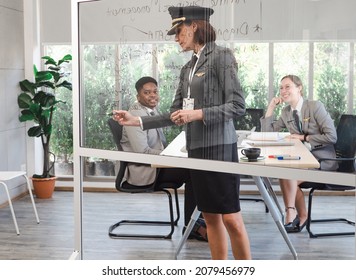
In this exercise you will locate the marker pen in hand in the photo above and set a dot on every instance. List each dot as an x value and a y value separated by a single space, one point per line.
289 157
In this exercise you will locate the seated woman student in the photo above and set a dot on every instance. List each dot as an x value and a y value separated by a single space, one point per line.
152 141
308 121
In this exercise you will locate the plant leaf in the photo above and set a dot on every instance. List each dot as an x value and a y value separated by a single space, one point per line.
35 109
47 129
28 86
35 71
26 115
49 60
54 68
65 84
47 84
56 76
24 101
65 58
43 76
35 131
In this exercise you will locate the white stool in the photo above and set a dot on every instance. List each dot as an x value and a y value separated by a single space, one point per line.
9 175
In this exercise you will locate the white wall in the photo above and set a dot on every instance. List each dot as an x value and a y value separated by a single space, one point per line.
12 132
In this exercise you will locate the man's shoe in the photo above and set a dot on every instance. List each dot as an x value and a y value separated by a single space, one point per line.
198 231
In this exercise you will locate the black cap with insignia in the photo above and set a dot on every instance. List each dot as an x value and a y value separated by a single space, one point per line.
181 14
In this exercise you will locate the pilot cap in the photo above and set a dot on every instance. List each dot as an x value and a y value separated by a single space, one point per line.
181 14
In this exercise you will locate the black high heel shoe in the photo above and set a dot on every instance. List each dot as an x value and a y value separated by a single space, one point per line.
293 226
303 225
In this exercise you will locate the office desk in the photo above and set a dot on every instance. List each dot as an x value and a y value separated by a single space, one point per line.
296 148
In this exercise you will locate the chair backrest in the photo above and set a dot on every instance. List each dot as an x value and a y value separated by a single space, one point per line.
121 184
250 119
116 130
346 142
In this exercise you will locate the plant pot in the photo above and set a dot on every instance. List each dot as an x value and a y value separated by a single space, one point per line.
44 187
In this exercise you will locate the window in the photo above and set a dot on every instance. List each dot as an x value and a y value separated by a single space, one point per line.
331 77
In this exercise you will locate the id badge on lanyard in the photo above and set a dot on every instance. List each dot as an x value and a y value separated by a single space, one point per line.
188 103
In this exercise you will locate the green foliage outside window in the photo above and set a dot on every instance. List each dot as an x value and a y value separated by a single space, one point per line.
252 62
98 87
62 136
330 77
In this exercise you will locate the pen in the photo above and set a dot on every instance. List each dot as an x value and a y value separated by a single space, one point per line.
289 157
276 156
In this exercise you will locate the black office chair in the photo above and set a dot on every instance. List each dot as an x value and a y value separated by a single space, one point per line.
345 155
247 122
123 186
250 119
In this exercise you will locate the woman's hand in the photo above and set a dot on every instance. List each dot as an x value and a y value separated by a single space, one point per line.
182 117
272 105
125 118
296 136
275 102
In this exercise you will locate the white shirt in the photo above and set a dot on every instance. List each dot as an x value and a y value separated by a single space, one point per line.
299 107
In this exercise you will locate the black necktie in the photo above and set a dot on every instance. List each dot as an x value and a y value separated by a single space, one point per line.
193 61
160 133
297 121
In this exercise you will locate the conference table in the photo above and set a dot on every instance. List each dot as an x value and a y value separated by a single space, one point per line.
271 145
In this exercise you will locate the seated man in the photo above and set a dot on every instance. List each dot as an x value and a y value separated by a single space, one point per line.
152 141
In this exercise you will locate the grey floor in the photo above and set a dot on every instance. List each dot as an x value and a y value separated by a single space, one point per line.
53 238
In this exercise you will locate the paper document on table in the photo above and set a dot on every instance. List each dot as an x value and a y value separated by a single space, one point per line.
269 143
266 136
176 147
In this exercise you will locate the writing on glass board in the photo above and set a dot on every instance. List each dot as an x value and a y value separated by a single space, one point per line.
145 20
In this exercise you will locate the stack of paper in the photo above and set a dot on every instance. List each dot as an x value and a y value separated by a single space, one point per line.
268 139
270 143
265 136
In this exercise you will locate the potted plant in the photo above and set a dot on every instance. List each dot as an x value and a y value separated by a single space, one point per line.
38 103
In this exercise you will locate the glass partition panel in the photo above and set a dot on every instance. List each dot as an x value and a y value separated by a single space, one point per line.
129 40
122 41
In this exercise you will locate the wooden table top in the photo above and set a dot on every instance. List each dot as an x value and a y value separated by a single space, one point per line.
295 148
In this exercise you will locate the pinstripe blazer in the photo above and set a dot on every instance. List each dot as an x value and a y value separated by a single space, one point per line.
316 122
217 91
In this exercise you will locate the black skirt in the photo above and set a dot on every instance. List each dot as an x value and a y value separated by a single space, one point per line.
216 192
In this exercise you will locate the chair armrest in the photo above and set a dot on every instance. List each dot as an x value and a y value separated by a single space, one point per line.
343 166
336 159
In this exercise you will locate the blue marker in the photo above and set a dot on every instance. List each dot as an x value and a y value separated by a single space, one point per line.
289 157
